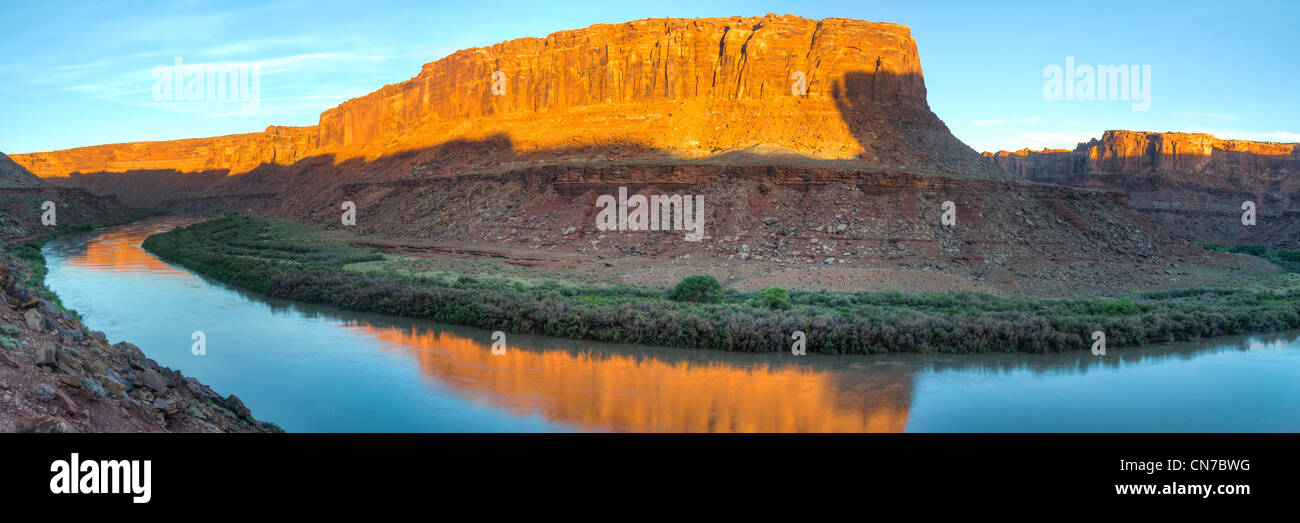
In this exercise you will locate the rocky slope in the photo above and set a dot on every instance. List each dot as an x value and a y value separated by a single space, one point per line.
13 175
22 196
1193 184
55 376
797 227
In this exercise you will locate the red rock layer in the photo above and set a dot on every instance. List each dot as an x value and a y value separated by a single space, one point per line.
1181 179
231 154
22 203
649 89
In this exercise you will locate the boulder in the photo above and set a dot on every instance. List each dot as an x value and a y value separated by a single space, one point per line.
35 321
236 406
154 381
47 355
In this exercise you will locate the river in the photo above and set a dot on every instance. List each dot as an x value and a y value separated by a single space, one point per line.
317 369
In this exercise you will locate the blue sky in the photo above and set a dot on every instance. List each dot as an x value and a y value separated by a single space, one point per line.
81 73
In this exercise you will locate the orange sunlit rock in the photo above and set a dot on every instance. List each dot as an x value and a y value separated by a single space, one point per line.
683 88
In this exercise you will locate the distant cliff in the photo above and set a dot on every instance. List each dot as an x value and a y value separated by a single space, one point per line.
1192 182
654 89
23 195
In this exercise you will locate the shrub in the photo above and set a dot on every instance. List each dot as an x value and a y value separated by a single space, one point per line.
700 289
1122 307
773 298
1253 250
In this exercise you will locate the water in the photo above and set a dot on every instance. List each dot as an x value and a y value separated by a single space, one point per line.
312 368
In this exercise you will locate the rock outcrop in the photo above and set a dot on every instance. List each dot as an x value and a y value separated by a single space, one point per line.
23 197
1191 183
654 89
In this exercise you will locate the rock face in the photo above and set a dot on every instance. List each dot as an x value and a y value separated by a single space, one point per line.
22 196
654 89
231 154
1194 184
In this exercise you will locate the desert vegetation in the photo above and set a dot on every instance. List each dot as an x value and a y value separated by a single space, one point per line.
292 261
1288 260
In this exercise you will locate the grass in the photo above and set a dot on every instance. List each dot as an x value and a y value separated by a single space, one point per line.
1288 260
292 261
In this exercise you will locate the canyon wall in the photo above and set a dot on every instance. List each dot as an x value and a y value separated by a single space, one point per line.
1192 183
230 154
22 196
647 90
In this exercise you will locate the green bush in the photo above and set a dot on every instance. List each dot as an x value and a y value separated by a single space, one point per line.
1122 307
773 298
1253 250
699 289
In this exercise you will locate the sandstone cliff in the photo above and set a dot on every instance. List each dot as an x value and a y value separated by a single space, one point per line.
654 89
232 154
1192 183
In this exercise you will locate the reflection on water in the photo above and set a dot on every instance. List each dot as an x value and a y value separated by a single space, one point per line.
312 368
608 390
117 250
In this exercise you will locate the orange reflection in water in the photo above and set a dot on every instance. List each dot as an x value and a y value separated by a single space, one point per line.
119 249
614 392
